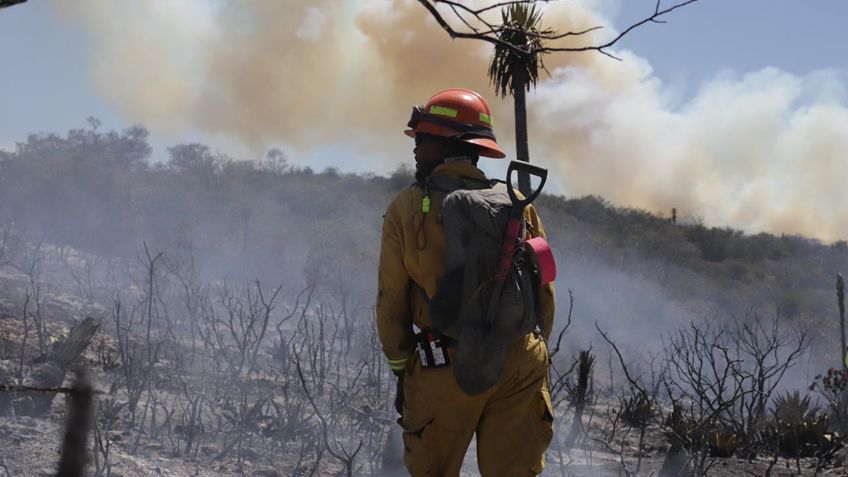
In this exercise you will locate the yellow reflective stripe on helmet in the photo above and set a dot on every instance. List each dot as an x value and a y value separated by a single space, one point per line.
397 364
486 119
443 111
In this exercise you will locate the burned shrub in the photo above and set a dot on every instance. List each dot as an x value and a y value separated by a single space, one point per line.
833 386
637 410
580 394
722 442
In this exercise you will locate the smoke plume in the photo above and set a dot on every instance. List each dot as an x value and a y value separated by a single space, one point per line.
758 151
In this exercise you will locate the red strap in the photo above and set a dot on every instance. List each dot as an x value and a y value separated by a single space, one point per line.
507 247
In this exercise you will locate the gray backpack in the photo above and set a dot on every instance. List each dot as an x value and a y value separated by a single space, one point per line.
464 307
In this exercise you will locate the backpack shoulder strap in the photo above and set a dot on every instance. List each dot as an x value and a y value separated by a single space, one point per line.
443 183
448 184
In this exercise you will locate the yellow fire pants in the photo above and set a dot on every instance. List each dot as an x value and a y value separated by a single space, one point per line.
513 420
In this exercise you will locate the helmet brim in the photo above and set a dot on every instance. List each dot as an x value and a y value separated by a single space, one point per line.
488 147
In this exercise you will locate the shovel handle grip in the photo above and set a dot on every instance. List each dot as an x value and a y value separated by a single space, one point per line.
530 169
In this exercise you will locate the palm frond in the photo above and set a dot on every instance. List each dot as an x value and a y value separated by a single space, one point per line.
521 27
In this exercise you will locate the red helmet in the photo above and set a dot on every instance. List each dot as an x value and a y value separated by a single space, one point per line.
459 114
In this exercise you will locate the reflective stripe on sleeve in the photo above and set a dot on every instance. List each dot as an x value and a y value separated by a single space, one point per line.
397 364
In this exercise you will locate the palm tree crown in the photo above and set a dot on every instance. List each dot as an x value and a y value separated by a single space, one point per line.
513 72
521 27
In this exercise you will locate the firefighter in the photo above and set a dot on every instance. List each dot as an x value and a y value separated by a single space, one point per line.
512 420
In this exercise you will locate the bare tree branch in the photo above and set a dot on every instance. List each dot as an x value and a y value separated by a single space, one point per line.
600 48
9 3
488 36
459 15
567 323
493 32
345 457
24 388
483 10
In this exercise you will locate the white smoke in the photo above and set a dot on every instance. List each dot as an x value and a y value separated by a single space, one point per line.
759 150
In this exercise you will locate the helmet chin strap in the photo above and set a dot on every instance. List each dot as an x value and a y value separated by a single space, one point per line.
458 158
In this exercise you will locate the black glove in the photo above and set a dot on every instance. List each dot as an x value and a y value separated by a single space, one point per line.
399 396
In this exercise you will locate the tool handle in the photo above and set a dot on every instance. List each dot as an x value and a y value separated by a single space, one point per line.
519 166
507 247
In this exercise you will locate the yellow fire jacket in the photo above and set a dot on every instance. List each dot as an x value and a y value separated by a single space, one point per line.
412 259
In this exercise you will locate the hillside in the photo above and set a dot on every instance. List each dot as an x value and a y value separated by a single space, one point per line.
98 192
90 227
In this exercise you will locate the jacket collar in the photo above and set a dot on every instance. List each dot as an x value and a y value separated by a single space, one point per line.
459 169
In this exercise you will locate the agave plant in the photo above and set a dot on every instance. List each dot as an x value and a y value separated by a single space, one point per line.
580 394
799 428
637 410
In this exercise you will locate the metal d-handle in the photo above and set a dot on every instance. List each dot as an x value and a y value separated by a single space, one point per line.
530 169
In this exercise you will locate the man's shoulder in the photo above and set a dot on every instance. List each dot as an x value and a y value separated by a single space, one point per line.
405 200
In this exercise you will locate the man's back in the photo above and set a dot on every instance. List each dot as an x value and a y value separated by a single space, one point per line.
513 417
415 259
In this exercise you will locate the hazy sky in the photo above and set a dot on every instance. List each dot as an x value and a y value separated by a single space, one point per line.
734 111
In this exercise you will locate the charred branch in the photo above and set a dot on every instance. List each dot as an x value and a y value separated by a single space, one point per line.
486 30
74 450
9 3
